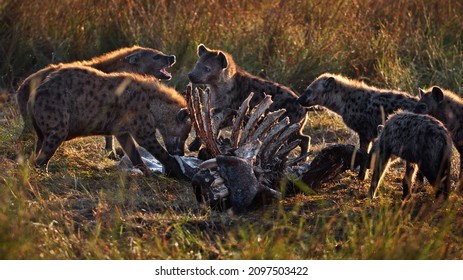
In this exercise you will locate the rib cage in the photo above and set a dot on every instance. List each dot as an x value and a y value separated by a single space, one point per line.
262 138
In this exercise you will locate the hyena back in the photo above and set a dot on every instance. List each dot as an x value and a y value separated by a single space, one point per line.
135 59
361 107
447 107
82 101
420 140
230 86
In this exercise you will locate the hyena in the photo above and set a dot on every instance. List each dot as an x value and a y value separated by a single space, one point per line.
422 141
361 107
447 107
229 86
82 101
135 59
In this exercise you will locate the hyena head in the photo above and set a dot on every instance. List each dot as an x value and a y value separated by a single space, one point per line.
150 62
175 135
319 92
430 101
211 66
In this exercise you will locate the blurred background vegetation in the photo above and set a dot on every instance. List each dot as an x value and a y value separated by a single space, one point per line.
83 207
400 44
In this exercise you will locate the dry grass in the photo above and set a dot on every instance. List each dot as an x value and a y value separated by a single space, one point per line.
84 208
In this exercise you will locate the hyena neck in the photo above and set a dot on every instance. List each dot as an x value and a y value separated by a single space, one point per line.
447 113
106 66
334 102
225 86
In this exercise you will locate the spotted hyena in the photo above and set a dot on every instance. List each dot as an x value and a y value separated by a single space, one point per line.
230 85
82 101
361 107
421 140
135 59
447 107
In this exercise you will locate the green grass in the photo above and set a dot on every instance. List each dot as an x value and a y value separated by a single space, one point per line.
84 208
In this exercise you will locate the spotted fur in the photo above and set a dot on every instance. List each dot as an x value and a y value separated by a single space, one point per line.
230 86
419 139
135 59
361 107
447 107
81 101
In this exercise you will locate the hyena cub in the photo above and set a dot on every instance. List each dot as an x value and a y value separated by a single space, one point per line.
447 107
361 107
135 59
419 139
230 85
82 101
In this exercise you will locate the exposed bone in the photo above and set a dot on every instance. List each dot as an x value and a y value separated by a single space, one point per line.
267 123
196 104
286 149
192 110
221 192
237 125
281 139
249 151
217 182
262 137
273 133
250 125
295 161
210 135
208 164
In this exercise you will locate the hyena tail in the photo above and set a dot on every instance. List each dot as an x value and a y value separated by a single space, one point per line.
22 96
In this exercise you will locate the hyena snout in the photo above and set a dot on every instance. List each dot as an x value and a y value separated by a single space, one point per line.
176 147
305 99
193 77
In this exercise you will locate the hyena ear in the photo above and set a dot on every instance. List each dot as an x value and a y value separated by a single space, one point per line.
437 94
182 115
329 83
201 49
223 60
133 58
421 92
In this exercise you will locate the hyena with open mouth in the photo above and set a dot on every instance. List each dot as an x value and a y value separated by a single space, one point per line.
135 59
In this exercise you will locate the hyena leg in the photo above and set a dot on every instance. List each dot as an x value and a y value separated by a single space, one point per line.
195 145
438 175
130 149
409 178
50 142
171 165
27 131
444 179
380 161
305 143
363 166
109 141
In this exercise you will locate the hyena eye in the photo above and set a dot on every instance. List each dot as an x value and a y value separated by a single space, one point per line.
156 56
207 68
